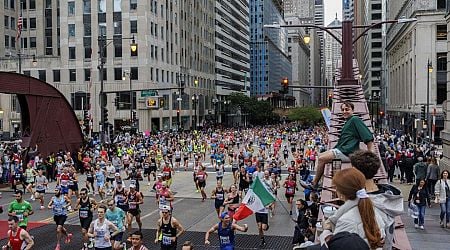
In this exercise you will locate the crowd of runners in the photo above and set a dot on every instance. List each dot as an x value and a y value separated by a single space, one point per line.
109 201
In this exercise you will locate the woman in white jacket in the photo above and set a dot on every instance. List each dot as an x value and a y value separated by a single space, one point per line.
442 192
357 214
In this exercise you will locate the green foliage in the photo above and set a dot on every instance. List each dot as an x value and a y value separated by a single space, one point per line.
306 115
258 112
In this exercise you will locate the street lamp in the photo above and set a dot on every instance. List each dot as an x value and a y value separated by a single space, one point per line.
226 103
194 104
306 38
429 71
215 101
102 96
347 42
124 77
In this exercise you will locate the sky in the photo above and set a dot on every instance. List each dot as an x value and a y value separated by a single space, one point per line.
331 7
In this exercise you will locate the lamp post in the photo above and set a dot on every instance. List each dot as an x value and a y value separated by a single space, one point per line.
124 76
194 104
429 125
102 96
347 42
215 101
226 103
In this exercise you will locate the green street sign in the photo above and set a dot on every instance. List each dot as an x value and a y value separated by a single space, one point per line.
149 92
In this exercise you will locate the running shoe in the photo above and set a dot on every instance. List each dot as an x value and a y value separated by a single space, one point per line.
42 207
68 238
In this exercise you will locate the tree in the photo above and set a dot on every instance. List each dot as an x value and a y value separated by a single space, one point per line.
306 115
258 112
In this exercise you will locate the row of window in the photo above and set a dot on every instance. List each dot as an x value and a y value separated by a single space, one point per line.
10 23
10 42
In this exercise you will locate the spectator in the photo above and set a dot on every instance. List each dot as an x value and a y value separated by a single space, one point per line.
442 191
420 170
420 197
432 175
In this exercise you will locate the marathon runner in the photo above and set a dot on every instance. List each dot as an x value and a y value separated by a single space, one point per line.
232 201
21 209
168 230
117 217
59 204
100 181
102 230
19 238
41 186
137 241
218 194
85 206
225 229
201 181
134 199
120 196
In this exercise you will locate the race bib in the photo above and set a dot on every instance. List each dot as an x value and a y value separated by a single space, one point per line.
84 213
20 217
166 240
224 240
132 206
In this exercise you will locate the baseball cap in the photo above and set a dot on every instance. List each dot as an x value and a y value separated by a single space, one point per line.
132 186
116 174
165 208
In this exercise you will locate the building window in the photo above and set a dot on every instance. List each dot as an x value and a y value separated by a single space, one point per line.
48 4
86 6
87 53
87 75
6 22
441 64
33 23
133 26
72 54
376 34
23 4
32 4
24 23
27 72
376 45
13 23
72 30
32 42
56 75
134 73
71 8
441 32
42 75
72 75
117 6
117 74
24 42
101 6
441 4
80 100
6 41
133 4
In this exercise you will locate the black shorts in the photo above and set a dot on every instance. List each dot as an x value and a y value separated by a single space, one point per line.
73 187
218 204
91 180
110 179
40 191
201 184
123 207
147 171
234 170
134 212
103 248
60 219
288 196
85 222
117 237
242 187
177 159
262 218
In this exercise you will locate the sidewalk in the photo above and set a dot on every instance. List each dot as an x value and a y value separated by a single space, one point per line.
433 237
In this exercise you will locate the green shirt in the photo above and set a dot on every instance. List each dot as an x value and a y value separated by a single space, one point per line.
353 132
20 208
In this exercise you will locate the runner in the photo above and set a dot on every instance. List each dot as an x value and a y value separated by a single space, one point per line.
165 196
41 186
85 206
90 177
59 204
201 181
73 186
110 171
225 229
19 238
218 194
167 174
137 241
168 230
262 220
20 208
134 199
232 200
120 196
30 173
100 178
117 217
290 186
102 230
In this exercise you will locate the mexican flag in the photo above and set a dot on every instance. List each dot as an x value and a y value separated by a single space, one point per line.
255 200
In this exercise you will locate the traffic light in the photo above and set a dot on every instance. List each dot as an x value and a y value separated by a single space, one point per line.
133 115
86 121
110 129
285 85
161 102
381 114
116 101
105 115
422 113
330 99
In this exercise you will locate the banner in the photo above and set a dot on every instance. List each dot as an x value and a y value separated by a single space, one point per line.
326 113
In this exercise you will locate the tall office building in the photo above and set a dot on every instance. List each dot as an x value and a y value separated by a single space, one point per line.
369 51
348 10
269 61
232 47
332 52
175 42
318 68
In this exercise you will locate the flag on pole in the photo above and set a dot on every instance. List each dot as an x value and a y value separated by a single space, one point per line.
257 197
19 28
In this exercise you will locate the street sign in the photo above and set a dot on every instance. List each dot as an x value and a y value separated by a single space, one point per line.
149 92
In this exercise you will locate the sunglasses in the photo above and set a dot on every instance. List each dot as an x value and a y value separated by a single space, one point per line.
110 205
82 193
165 212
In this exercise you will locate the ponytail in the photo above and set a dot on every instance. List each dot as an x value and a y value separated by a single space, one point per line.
370 224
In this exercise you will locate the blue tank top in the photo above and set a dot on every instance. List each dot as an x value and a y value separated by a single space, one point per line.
100 177
226 237
59 206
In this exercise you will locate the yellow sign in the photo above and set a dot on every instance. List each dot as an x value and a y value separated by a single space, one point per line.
152 102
